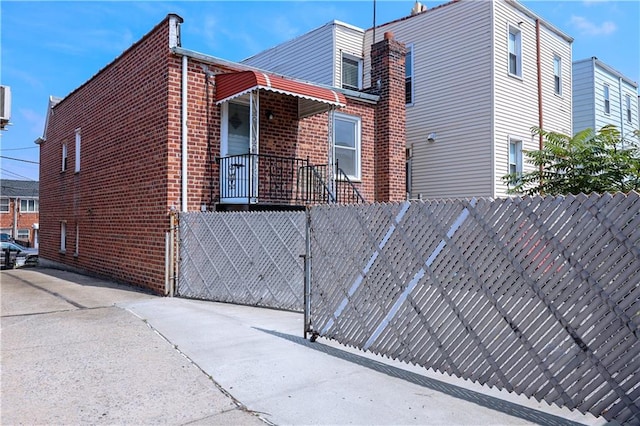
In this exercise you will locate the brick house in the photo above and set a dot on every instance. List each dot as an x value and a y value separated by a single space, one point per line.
163 128
19 210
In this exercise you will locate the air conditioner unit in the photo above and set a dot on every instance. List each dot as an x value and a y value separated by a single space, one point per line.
5 103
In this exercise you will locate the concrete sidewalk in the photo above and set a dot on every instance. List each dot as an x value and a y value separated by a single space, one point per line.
82 357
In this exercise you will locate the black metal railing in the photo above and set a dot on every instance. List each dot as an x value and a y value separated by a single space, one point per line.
269 179
329 184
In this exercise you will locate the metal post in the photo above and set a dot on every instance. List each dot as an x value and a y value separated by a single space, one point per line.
307 274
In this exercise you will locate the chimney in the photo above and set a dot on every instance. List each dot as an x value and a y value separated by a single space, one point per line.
388 77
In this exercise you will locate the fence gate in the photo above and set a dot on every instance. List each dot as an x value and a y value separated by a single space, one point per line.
539 296
249 258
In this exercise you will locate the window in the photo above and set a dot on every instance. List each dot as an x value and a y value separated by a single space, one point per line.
515 52
23 235
408 72
351 72
75 253
4 205
515 156
607 103
628 107
64 157
557 75
28 206
346 137
63 237
78 140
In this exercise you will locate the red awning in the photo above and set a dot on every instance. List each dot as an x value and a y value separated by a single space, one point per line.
311 99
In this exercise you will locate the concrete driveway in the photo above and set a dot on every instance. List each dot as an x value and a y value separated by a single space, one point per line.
77 350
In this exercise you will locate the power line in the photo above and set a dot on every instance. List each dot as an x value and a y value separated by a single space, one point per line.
15 174
19 149
19 159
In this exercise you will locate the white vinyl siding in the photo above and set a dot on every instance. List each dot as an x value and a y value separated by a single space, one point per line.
315 56
308 57
591 76
515 106
583 96
451 98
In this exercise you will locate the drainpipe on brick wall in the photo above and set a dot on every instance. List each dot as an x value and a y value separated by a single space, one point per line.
184 154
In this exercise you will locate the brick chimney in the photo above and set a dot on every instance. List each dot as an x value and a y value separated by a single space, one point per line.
388 81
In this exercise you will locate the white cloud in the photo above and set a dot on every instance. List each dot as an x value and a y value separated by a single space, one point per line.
586 27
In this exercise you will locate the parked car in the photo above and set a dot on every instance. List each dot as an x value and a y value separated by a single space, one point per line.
23 256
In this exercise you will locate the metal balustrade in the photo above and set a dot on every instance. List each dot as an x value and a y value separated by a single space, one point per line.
269 179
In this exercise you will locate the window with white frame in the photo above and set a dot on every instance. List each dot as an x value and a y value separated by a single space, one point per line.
28 206
607 101
515 51
77 249
78 142
557 75
23 234
4 205
64 156
351 72
408 72
346 139
63 236
628 107
515 156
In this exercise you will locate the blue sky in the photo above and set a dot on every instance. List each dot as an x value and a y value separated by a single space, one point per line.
50 48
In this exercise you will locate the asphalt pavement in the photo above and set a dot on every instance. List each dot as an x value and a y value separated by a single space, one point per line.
80 350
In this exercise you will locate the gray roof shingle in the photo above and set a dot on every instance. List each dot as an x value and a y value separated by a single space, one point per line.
19 188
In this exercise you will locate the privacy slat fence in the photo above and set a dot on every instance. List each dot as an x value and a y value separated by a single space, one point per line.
242 257
540 296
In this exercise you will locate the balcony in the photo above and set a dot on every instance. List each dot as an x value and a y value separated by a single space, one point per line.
282 182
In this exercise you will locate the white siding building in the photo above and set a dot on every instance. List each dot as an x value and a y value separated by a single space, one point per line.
322 55
474 88
601 96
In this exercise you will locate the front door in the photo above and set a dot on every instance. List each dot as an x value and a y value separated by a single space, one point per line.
235 148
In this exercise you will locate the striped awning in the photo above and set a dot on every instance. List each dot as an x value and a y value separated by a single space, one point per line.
312 99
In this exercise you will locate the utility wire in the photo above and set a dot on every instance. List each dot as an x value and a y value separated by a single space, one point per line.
9 172
19 159
19 149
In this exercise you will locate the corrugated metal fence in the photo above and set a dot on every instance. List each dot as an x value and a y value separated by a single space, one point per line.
540 296
241 257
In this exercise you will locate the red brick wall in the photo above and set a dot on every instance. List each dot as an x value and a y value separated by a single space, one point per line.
130 178
388 67
119 200
313 141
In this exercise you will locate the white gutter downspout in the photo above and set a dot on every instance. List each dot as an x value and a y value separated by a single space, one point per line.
184 136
